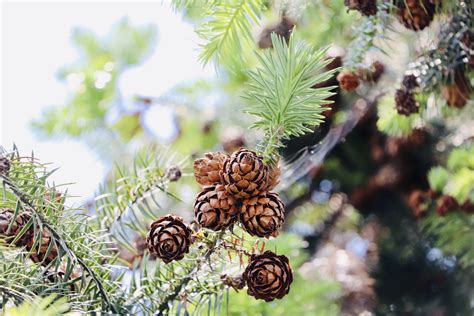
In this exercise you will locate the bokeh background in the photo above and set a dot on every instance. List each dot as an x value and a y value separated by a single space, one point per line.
38 41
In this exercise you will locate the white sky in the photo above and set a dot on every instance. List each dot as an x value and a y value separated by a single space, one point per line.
35 43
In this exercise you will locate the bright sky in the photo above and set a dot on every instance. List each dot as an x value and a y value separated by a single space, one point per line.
36 42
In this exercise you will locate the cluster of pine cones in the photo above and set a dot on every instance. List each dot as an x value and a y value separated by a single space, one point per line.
234 187
421 202
42 251
237 187
350 80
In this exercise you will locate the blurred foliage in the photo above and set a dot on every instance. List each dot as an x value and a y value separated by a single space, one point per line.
457 179
48 306
93 80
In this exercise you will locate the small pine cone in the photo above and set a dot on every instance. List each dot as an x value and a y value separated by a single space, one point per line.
409 82
4 165
446 204
467 44
232 140
416 14
173 173
348 81
268 276
244 174
263 215
468 207
207 169
237 283
365 7
458 93
46 250
419 202
169 238
405 102
283 29
273 177
214 208
6 216
377 70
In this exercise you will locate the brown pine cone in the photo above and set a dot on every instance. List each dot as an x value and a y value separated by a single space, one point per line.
409 82
263 215
283 29
268 276
373 73
405 102
446 204
365 7
6 216
46 250
237 283
215 208
169 238
416 14
4 165
348 81
207 169
173 173
468 207
458 93
244 174
419 202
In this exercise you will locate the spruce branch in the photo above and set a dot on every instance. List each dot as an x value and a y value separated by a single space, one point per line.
59 240
231 24
280 91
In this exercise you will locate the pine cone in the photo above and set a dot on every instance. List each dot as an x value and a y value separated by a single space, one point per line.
468 207
46 250
244 174
169 238
268 276
348 81
207 169
283 29
232 139
405 102
6 216
409 82
214 208
237 283
365 7
373 73
418 202
458 93
263 215
173 173
416 14
446 204
4 165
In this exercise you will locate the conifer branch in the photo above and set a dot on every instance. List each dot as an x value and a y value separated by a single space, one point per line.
281 94
231 24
